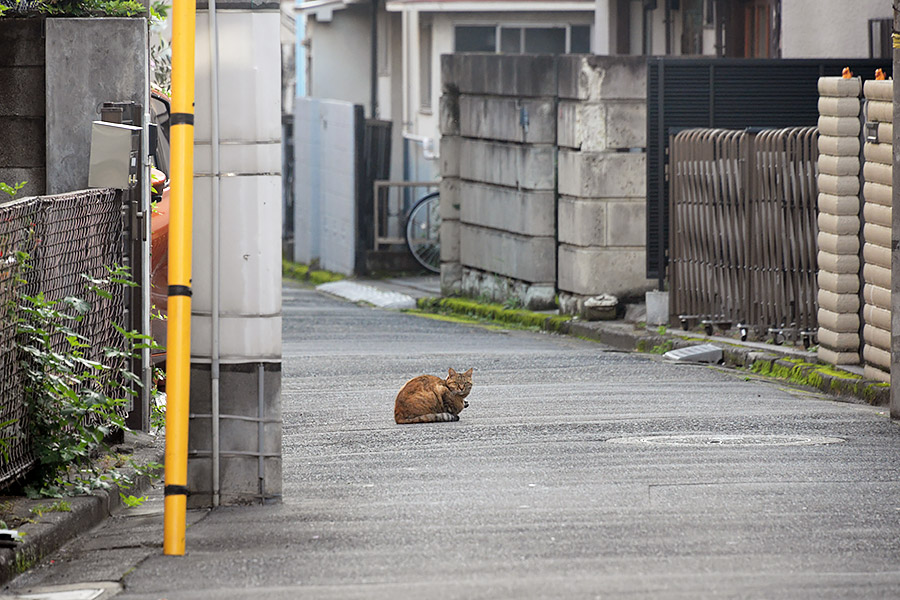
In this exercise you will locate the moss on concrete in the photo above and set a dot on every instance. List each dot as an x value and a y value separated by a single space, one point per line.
300 272
493 312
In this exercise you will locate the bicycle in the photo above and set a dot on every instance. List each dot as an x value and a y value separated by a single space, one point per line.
423 232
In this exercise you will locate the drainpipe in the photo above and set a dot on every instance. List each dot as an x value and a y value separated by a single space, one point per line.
216 270
179 301
373 111
146 369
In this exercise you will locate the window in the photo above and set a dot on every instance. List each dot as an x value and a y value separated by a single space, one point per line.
514 39
880 45
425 65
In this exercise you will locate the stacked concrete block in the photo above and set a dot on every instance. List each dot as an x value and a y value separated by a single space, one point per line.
498 155
601 134
877 191
838 220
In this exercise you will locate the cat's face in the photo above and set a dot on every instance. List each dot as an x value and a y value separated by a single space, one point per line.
460 383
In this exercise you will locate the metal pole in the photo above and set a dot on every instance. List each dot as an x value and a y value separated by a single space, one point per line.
216 269
895 227
179 302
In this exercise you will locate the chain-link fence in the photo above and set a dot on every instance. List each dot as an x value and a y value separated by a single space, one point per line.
48 245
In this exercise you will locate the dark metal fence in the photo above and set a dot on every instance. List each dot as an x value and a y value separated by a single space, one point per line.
743 223
64 238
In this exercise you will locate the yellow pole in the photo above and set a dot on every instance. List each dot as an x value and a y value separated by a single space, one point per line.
178 353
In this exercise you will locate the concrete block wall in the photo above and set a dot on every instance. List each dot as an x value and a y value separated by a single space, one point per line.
877 192
498 168
601 133
838 220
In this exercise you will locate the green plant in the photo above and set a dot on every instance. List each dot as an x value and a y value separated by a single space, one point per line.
661 330
58 506
88 8
131 501
5 187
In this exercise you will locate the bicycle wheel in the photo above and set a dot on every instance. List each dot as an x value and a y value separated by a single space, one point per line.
423 232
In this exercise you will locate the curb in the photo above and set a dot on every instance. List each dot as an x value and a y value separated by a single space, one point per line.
784 363
54 529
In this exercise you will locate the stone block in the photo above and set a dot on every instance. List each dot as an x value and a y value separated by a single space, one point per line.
22 91
836 224
838 263
877 275
21 42
838 146
878 111
839 283
874 355
839 107
838 165
602 174
877 234
884 133
877 214
877 296
595 271
508 209
450 149
874 89
838 341
879 317
877 255
449 114
510 165
34 178
582 222
838 244
878 173
449 240
451 278
878 193
594 77
876 374
600 126
626 224
24 143
530 121
502 74
530 259
834 357
839 126
450 198
838 205
880 153
838 86
878 337
838 303
498 288
847 185
838 322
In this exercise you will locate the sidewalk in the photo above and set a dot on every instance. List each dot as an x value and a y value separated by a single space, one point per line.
785 362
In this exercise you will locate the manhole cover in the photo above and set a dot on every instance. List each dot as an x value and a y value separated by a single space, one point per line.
701 439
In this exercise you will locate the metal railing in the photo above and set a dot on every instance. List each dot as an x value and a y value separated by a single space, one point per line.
64 237
743 223
393 200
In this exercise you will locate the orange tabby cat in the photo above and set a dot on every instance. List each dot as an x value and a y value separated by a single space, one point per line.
428 399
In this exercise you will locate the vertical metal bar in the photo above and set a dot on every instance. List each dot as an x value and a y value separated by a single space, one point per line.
261 429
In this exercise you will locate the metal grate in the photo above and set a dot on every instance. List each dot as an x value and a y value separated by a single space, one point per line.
65 237
743 223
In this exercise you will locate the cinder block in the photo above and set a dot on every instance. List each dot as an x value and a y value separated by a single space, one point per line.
834 357
877 214
449 240
451 278
450 198
503 74
838 341
838 205
594 271
838 186
877 296
594 77
602 174
879 317
449 113
839 303
531 259
839 126
838 165
878 193
512 165
599 126
839 107
34 178
507 209
626 224
878 255
879 111
880 153
878 337
877 234
839 322
838 86
838 146
876 374
884 133
838 263
838 225
450 152
874 89
878 173
839 283
877 356
838 244
582 222
24 143
531 121
877 275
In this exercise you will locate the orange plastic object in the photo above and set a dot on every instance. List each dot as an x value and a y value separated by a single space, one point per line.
879 75
847 73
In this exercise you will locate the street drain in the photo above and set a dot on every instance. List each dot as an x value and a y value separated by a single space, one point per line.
701 439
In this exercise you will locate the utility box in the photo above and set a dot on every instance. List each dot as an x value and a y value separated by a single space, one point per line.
113 155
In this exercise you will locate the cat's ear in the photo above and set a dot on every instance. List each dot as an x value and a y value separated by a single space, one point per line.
452 372
469 372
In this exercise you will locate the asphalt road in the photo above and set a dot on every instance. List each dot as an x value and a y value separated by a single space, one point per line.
576 472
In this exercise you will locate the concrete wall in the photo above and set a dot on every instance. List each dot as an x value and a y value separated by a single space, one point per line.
542 160
22 106
325 153
340 51
77 52
829 28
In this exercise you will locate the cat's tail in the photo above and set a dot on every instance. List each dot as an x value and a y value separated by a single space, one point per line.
429 418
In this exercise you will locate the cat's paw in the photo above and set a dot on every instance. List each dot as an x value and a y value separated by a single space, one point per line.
465 404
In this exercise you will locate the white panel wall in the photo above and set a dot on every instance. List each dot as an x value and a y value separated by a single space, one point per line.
325 180
829 28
